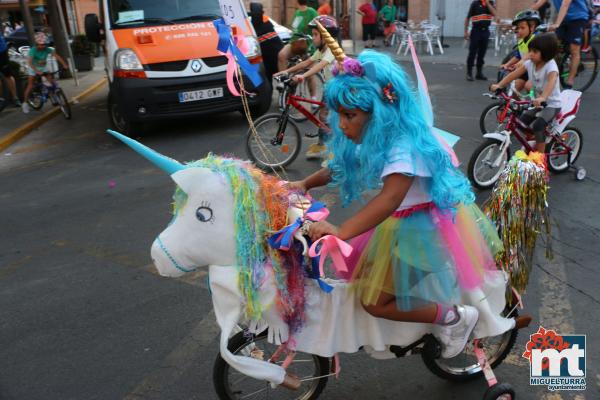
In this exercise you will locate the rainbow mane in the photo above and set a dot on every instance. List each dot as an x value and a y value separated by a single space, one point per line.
260 208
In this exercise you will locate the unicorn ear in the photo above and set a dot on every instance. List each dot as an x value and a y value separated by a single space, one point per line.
370 73
192 178
185 179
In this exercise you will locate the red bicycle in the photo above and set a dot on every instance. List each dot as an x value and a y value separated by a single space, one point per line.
275 141
563 142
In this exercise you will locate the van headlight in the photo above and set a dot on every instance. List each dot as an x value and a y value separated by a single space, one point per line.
253 47
126 59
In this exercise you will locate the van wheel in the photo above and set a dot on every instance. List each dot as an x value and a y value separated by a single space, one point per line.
119 122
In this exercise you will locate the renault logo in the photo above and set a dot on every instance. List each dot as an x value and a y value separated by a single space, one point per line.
196 65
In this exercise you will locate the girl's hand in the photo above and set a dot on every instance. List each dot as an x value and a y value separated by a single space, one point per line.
297 185
538 101
319 229
494 87
298 78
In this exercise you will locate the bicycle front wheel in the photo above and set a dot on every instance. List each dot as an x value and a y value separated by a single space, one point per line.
63 103
482 170
489 121
275 143
586 71
36 100
231 384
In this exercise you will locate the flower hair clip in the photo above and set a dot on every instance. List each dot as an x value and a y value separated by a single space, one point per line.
389 94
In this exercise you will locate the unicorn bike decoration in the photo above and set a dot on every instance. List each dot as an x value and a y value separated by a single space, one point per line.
281 325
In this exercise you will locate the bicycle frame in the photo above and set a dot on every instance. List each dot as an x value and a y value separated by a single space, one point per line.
295 101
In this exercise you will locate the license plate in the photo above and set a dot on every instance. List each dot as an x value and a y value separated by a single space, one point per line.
196 95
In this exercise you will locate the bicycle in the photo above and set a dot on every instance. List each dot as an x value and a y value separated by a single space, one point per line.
586 71
270 144
563 142
43 90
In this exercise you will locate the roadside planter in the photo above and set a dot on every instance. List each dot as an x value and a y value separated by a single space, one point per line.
83 53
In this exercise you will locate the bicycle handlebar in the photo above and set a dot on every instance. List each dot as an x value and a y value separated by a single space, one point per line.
517 104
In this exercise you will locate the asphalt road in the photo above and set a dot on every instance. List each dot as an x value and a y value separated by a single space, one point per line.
83 315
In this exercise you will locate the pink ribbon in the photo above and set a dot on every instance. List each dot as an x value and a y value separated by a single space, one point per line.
333 247
231 74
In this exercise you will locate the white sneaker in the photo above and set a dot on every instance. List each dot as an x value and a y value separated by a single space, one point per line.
25 107
454 337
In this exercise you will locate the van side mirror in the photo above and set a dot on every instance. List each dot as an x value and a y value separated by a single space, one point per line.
92 28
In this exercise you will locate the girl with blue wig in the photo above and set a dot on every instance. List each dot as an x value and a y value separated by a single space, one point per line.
421 242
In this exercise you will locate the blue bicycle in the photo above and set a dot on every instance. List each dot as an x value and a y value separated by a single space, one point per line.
43 91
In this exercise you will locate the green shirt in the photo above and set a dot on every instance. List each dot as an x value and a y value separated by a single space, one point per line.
301 20
388 13
39 57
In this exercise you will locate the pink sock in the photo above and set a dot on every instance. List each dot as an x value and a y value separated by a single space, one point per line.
446 315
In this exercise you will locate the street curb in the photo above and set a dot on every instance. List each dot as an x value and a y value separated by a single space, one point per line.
20 132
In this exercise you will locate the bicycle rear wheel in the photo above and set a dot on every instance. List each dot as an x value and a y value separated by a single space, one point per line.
63 103
262 147
465 367
560 163
586 72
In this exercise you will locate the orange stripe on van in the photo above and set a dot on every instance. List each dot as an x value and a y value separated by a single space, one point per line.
163 43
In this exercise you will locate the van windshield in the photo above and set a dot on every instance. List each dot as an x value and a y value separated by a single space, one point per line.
126 13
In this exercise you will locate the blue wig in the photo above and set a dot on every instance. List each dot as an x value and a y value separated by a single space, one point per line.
356 168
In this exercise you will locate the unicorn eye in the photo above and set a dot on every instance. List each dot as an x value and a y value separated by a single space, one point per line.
204 214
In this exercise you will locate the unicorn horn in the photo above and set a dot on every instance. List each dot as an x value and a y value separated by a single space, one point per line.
333 45
165 163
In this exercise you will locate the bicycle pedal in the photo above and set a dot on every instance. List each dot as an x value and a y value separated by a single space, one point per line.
311 135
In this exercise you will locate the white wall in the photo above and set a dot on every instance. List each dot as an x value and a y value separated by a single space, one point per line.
456 11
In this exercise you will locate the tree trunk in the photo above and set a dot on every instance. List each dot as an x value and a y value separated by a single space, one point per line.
58 32
25 12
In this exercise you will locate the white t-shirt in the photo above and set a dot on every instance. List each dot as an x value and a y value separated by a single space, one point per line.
539 79
326 55
401 161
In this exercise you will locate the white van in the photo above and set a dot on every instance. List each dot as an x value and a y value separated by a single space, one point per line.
162 61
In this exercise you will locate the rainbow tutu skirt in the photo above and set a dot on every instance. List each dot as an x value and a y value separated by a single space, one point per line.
422 255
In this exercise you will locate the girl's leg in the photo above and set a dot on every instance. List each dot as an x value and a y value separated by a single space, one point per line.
454 324
30 80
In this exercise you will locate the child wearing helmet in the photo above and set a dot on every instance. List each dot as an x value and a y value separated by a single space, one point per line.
321 60
36 60
525 23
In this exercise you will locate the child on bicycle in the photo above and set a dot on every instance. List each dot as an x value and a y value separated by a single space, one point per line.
37 60
525 23
543 75
321 60
421 241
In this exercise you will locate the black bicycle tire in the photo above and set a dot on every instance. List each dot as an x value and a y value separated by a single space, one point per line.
433 367
473 158
563 59
35 94
235 342
256 160
60 94
484 113
549 146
